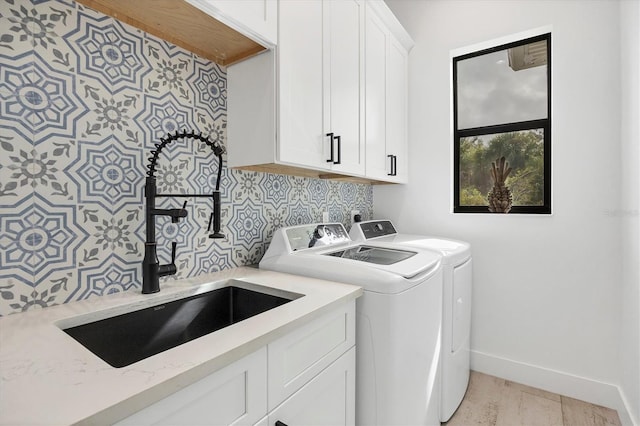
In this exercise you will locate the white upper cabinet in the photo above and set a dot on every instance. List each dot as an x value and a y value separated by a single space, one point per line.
256 19
376 96
386 87
344 83
300 63
301 109
320 60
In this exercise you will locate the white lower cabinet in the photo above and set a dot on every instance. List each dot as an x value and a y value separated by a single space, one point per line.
305 377
322 401
235 395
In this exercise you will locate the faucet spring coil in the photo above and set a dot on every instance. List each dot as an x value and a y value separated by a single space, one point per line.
151 167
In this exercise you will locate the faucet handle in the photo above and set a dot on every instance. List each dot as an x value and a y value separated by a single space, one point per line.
174 245
170 268
210 222
176 214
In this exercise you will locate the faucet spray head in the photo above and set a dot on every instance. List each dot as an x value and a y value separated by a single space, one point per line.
215 217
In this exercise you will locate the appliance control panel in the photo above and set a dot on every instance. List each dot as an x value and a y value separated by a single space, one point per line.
316 235
376 228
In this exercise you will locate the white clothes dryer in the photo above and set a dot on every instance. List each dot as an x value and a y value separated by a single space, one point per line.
456 307
398 316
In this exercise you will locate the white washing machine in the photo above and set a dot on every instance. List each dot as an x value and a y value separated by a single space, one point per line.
398 317
456 308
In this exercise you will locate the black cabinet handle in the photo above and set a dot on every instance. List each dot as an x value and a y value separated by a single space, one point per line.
339 149
330 160
393 165
279 423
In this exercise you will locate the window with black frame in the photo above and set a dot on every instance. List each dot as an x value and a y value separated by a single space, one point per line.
502 128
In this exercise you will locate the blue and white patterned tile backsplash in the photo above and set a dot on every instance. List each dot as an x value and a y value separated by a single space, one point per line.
83 98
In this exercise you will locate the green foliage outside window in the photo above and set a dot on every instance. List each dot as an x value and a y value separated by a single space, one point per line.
523 150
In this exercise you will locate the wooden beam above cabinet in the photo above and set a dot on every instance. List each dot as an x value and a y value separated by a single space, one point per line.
182 24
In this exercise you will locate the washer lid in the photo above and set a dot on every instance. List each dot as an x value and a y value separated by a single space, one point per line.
382 231
393 259
377 255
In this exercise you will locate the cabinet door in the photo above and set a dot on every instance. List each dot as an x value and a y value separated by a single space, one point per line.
397 93
300 131
377 166
235 395
386 102
297 357
328 399
343 81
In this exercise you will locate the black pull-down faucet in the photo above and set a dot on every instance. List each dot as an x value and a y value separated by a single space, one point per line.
151 268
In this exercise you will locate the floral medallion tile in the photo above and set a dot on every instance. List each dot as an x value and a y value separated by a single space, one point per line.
215 130
213 259
247 185
109 115
95 221
228 184
16 28
171 66
51 22
299 189
17 240
318 190
109 51
334 191
49 239
113 275
337 213
316 214
209 84
203 176
20 172
107 173
162 116
55 238
250 257
298 214
348 194
50 101
172 173
43 169
247 224
276 218
15 94
275 189
15 294
18 296
129 244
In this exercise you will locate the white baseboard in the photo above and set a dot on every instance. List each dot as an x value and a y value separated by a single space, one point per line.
595 392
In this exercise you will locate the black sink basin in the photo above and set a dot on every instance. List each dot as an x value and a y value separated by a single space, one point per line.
124 339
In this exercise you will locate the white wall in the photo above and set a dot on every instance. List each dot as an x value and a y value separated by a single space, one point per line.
630 206
546 288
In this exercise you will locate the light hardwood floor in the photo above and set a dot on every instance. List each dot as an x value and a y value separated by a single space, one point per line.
491 401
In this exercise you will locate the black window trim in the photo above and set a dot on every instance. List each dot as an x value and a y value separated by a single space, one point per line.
544 124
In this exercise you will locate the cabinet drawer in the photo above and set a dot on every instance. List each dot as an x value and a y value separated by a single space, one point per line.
299 356
235 395
328 399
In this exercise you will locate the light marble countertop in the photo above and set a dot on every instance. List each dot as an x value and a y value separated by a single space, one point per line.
47 378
